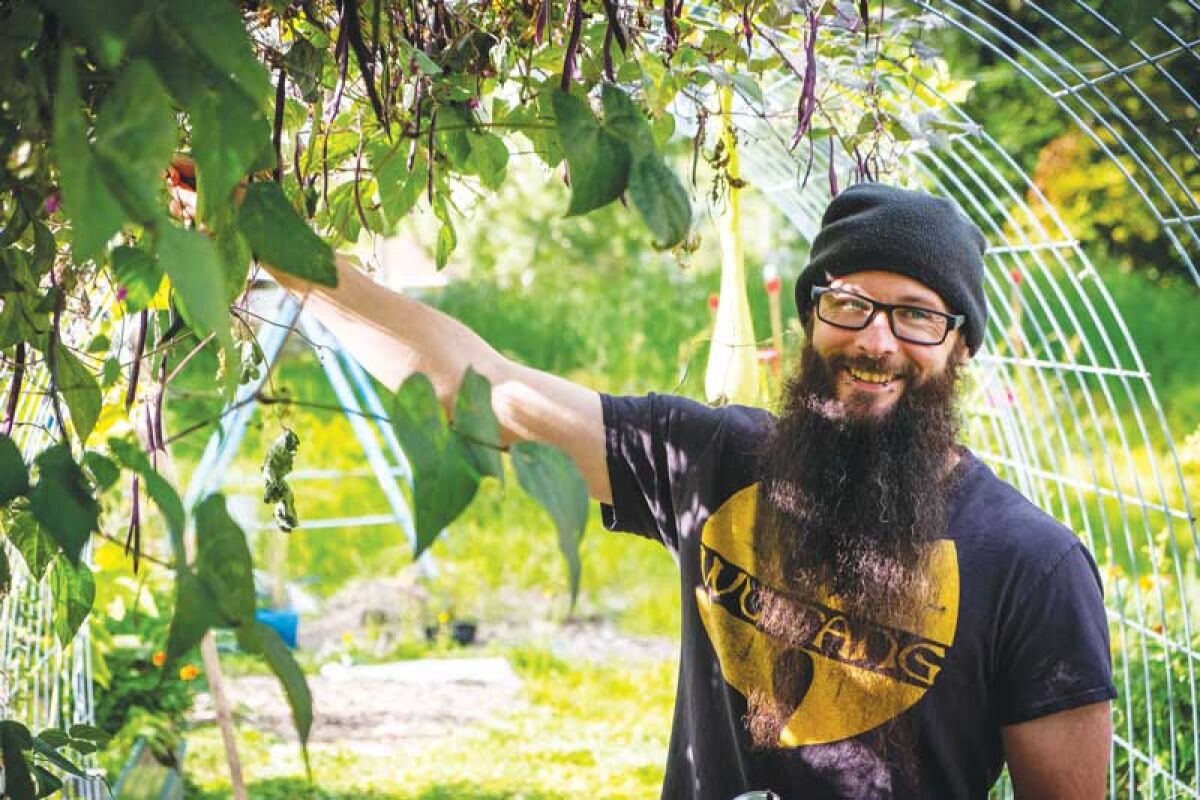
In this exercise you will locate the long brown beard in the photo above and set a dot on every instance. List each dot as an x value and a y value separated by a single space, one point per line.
848 505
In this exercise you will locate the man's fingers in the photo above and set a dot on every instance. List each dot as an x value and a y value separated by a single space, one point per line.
181 177
181 185
183 202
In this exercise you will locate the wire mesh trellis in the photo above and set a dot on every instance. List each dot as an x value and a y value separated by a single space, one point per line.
1061 403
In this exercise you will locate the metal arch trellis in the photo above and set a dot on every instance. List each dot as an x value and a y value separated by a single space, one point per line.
1174 204
1061 403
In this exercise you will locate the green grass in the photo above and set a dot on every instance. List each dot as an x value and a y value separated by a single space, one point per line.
587 730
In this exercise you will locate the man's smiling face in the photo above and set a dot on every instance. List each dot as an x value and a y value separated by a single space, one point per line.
873 367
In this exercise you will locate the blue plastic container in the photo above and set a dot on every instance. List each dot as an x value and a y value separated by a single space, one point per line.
283 620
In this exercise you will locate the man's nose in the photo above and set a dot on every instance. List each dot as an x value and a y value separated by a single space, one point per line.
877 338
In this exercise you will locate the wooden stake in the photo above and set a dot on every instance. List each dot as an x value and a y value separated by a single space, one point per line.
212 669
216 687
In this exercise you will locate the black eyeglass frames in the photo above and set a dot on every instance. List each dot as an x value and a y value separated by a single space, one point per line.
913 324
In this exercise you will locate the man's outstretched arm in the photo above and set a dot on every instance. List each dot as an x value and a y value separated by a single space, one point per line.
1061 756
394 336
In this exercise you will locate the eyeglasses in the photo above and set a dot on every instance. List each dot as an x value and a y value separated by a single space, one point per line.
912 324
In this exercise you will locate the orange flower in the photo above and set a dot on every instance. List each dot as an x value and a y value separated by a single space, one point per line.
158 659
189 672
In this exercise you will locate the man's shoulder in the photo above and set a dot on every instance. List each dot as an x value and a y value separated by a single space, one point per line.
991 509
675 415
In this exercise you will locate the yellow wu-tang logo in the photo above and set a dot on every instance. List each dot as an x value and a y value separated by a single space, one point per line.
862 674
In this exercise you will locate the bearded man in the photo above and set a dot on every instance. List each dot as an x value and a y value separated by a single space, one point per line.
868 611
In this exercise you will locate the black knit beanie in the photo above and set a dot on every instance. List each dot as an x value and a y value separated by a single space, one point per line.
871 226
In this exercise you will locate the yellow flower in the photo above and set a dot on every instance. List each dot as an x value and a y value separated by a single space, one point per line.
443 617
158 659
188 672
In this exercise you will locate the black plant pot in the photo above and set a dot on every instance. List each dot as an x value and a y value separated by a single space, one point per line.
461 632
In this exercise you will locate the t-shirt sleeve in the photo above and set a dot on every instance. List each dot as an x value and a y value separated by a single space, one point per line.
1054 649
669 459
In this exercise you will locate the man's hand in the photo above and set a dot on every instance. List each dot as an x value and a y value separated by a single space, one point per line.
1061 756
181 183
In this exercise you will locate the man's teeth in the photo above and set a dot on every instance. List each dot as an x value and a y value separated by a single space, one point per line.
870 377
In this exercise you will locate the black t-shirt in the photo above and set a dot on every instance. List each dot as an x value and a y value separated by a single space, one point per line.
1019 631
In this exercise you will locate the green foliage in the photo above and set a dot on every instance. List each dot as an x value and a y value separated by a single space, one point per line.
138 272
654 188
26 776
661 198
5 573
444 478
36 547
1133 17
399 187
223 561
47 749
220 592
597 159
103 471
14 740
73 589
476 421
259 638
79 389
618 155
1163 326
85 194
279 237
193 264
549 476
223 45
448 463
14 477
195 614
131 457
137 695
135 137
62 501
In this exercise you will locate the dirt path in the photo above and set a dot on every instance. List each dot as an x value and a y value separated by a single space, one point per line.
372 707
371 710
